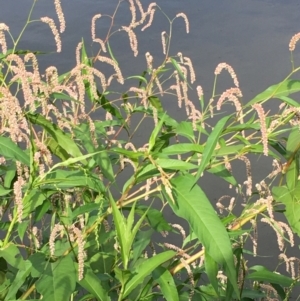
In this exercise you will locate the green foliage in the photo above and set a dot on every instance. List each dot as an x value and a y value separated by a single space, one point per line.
76 222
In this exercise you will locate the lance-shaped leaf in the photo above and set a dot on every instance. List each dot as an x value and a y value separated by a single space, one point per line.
58 281
284 88
155 133
19 280
292 206
10 150
125 233
193 206
210 145
166 283
145 269
262 274
93 285
64 141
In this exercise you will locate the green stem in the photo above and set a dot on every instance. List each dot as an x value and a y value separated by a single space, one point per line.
10 229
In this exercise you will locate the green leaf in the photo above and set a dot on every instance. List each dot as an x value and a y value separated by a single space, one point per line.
63 96
211 269
210 145
41 210
279 147
289 101
242 127
59 280
13 256
155 133
263 274
284 88
222 172
39 263
22 227
139 77
86 208
156 103
228 150
166 282
175 164
84 58
193 206
106 104
10 150
185 129
19 280
122 275
141 242
93 285
65 179
121 228
103 160
177 67
293 141
292 204
82 134
56 149
292 174
125 232
34 199
4 191
182 148
155 218
10 174
145 269
58 135
72 161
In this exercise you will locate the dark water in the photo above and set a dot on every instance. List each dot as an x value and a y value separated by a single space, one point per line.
252 36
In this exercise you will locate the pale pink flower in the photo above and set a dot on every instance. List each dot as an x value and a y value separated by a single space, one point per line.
78 54
127 160
54 30
56 229
278 230
141 94
263 127
152 12
149 60
102 44
231 94
188 62
3 27
115 66
226 66
93 26
181 230
186 21
133 12
163 41
81 253
199 91
129 145
19 197
60 15
295 38
132 39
